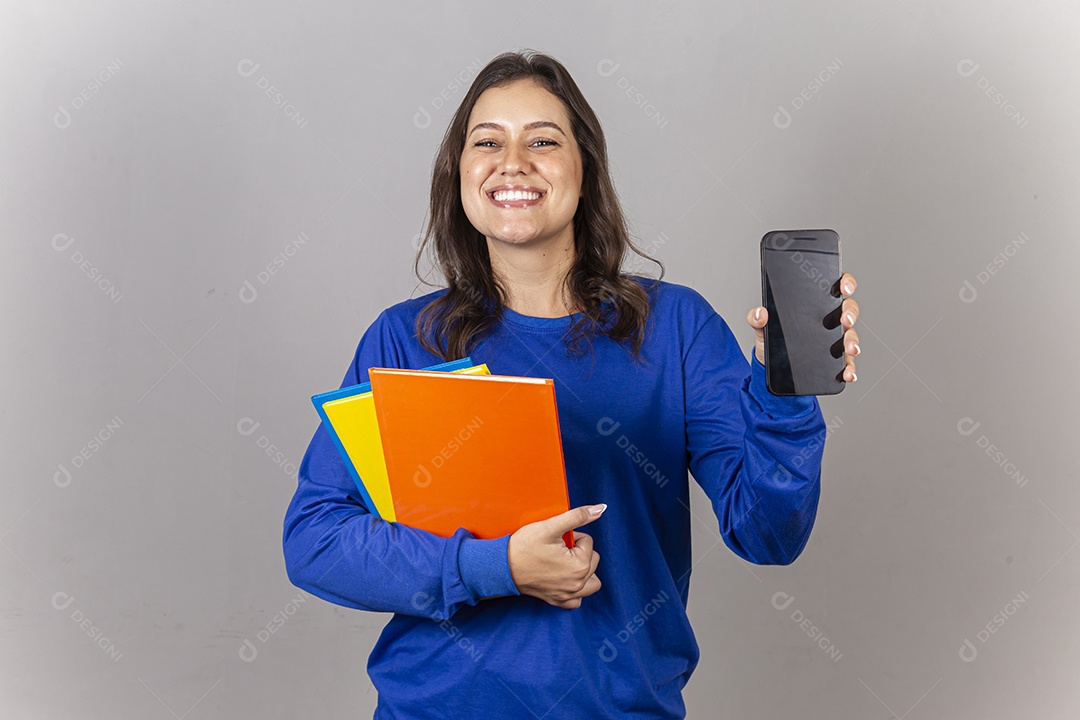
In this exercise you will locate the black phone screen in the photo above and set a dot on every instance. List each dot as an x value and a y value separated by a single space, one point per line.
800 278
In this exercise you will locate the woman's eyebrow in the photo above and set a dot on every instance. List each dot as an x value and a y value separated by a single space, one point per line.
530 126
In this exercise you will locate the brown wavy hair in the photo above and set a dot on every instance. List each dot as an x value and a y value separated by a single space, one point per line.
450 325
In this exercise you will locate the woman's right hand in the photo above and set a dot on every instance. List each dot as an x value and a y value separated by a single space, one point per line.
543 567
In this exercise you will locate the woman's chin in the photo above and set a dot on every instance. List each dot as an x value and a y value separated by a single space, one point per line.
513 238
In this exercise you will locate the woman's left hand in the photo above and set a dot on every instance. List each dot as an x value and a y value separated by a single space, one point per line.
758 316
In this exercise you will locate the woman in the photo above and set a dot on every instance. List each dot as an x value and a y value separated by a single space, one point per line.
650 382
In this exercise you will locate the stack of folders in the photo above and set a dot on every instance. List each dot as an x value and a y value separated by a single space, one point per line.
451 446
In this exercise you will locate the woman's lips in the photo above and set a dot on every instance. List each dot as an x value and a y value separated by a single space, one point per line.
515 197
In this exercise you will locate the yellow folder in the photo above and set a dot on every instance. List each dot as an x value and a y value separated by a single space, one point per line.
354 421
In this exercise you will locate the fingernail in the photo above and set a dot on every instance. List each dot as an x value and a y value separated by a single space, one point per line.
757 314
597 510
850 318
857 349
854 377
848 289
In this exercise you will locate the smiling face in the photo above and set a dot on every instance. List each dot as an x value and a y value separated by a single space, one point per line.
521 170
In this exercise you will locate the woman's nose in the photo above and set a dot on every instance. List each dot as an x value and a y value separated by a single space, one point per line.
515 159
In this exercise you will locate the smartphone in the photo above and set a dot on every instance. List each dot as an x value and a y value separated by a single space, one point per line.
800 287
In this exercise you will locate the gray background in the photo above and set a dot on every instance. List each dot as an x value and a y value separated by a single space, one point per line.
156 373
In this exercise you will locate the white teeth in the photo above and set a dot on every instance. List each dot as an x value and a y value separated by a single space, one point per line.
515 195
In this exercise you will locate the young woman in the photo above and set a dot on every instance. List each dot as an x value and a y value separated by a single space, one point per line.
651 383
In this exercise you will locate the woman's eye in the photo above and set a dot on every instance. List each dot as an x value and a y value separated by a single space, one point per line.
486 143
544 142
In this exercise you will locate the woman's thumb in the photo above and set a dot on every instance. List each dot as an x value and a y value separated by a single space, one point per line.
575 518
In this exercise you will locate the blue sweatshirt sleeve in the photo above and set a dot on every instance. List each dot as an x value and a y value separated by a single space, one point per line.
337 550
756 455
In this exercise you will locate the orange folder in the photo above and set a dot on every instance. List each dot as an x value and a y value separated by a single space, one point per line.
482 452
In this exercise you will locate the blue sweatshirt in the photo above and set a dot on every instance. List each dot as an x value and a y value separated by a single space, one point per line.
630 434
